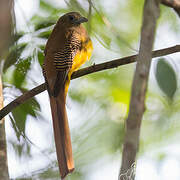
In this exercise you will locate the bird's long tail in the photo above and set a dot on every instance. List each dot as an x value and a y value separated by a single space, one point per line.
62 133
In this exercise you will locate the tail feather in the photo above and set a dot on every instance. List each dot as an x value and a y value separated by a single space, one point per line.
62 134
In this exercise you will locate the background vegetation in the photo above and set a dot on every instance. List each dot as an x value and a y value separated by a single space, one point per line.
98 103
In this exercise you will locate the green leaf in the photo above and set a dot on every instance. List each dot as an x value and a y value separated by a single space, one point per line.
166 78
18 134
47 6
44 24
23 147
20 72
40 57
74 5
49 173
106 39
16 37
40 22
44 34
14 55
20 115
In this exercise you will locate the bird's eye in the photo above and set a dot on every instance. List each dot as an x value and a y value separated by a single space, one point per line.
71 18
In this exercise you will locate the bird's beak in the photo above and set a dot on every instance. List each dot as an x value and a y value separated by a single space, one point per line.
82 20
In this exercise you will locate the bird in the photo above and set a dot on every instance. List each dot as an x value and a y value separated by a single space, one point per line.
67 48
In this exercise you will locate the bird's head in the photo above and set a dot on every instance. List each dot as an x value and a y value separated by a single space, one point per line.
72 19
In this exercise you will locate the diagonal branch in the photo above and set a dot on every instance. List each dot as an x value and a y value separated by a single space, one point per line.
175 4
82 72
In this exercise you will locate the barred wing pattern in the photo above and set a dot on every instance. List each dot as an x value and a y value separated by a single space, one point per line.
63 59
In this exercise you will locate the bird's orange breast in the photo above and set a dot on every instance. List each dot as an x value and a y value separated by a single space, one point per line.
80 58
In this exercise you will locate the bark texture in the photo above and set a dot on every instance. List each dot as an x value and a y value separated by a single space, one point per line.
139 87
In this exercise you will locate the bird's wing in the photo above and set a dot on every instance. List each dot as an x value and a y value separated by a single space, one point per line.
63 61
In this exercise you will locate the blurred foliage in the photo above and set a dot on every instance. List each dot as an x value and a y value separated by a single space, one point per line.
101 99
166 78
14 54
19 73
20 115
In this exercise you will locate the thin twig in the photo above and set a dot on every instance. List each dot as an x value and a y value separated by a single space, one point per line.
82 72
139 87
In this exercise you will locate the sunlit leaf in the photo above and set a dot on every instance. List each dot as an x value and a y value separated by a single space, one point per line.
166 78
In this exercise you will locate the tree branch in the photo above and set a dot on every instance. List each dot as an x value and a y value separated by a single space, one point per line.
175 4
139 87
84 71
